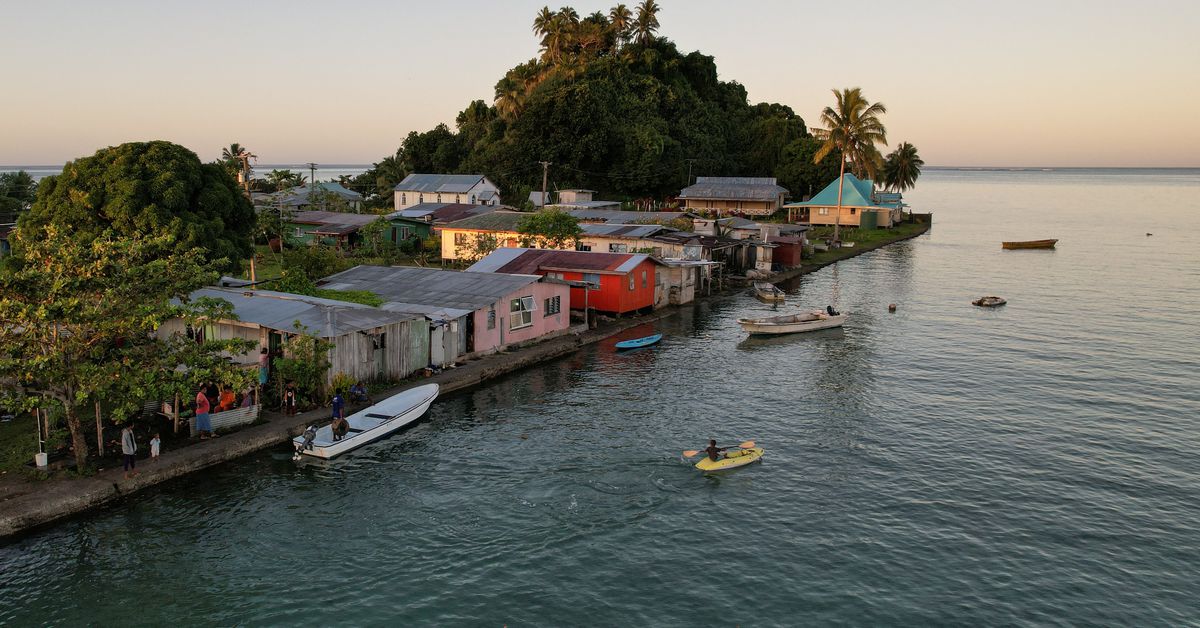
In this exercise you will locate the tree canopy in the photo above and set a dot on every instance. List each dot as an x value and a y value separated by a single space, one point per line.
152 188
17 192
549 229
615 107
902 167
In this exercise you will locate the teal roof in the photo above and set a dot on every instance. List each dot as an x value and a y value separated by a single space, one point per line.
855 193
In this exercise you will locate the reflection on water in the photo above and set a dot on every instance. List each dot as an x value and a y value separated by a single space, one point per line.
936 465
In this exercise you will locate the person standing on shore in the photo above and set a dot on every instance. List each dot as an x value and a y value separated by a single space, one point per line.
203 422
264 366
289 398
155 447
129 450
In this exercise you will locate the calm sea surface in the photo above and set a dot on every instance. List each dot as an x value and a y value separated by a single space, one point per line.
1033 464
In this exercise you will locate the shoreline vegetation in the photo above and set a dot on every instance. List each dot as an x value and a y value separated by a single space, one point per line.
28 504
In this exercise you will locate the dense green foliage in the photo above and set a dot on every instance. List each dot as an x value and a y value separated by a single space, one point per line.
148 188
852 126
305 362
81 322
902 167
615 108
17 192
549 229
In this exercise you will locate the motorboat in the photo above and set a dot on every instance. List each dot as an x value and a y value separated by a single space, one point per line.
368 425
1029 244
794 323
768 291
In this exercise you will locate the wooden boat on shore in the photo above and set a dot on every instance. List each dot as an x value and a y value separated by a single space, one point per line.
368 425
989 302
1029 244
769 292
793 323
638 343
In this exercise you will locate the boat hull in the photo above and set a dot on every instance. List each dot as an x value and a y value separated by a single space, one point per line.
372 423
732 460
1029 244
638 343
768 292
795 324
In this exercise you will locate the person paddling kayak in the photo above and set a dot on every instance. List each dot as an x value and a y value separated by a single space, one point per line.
714 452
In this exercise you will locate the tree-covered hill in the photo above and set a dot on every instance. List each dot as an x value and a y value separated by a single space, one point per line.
616 108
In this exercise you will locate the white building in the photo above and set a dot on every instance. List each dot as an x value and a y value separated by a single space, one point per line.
469 189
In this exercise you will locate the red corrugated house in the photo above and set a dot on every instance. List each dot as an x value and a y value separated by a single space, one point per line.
622 282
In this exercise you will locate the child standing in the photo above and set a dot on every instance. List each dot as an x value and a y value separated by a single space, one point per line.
289 398
155 445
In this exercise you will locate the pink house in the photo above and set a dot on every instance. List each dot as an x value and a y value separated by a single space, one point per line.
468 313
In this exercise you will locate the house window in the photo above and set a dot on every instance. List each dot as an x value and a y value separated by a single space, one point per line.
491 317
852 210
618 248
421 198
403 198
460 239
381 341
520 313
404 233
552 306
592 280
583 247
299 232
472 199
824 211
644 282
439 197
554 275
632 283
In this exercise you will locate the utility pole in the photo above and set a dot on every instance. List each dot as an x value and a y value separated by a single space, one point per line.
245 158
689 176
312 181
545 178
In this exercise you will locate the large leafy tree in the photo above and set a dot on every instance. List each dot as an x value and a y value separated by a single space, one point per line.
17 192
549 229
81 321
147 188
853 128
902 167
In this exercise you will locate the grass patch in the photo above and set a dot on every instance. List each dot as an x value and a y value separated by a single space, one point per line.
365 297
18 442
862 239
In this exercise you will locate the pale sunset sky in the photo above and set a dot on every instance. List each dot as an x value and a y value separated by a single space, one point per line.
1013 83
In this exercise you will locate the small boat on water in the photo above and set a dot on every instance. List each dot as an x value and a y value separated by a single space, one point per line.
793 323
731 460
1030 244
989 302
638 343
368 425
768 291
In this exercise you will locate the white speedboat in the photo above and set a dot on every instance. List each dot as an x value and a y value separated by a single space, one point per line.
793 323
368 425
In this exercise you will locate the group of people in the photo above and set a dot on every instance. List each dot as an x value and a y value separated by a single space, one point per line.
129 449
211 399
358 394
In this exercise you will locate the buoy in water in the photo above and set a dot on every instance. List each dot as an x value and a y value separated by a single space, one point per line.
891 307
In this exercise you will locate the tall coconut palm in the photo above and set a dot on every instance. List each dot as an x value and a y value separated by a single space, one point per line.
902 167
620 19
647 21
853 127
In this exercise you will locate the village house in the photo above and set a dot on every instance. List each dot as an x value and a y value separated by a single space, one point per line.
327 196
459 238
468 313
768 246
333 228
752 196
469 189
439 214
632 217
615 283
403 229
861 205
582 199
369 343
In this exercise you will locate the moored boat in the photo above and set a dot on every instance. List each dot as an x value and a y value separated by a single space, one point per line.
767 291
637 343
990 301
793 323
1029 244
368 425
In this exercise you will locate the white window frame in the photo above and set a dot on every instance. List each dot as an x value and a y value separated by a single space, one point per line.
520 313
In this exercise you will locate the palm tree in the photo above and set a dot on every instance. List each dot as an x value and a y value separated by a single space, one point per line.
621 19
902 167
853 127
647 21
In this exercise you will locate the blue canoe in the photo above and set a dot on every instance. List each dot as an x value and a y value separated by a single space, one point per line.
639 342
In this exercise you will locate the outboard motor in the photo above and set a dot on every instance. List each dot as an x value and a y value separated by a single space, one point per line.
830 311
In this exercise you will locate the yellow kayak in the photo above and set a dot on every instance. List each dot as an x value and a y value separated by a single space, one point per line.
732 459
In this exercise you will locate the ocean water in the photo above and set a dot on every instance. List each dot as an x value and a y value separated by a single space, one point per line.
323 172
943 465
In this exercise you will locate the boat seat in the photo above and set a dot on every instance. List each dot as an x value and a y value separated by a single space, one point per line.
378 416
354 430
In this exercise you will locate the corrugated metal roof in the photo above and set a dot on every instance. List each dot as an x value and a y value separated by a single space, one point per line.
443 213
529 261
585 204
445 183
621 231
734 188
624 217
428 287
323 317
332 218
492 221
855 193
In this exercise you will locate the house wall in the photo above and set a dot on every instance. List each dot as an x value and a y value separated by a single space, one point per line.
606 244
455 239
723 206
401 231
851 216
614 295
501 333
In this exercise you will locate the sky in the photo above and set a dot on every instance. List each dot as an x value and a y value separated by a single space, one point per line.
1012 83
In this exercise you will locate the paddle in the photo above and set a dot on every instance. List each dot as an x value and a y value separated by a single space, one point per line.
692 452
